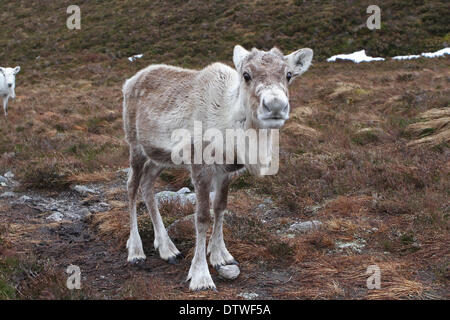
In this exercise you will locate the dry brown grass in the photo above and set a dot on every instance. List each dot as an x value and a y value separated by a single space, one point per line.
347 149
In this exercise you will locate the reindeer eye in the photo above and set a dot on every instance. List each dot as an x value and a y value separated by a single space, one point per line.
288 76
247 77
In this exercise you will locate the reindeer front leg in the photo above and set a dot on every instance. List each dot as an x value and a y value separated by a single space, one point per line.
199 272
5 105
217 250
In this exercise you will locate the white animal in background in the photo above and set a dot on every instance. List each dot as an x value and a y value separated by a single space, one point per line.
7 85
161 99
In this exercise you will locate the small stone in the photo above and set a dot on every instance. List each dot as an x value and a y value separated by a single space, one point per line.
83 189
56 216
355 246
126 170
305 226
25 198
9 175
229 271
3 179
82 212
248 295
184 190
312 210
7 194
191 198
166 196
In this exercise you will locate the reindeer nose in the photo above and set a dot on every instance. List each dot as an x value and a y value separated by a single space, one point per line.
10 85
276 107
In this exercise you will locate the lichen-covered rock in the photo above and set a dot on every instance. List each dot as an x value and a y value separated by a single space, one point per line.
183 196
229 271
305 226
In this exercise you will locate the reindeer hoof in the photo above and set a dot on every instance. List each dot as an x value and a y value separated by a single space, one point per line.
173 260
233 262
137 261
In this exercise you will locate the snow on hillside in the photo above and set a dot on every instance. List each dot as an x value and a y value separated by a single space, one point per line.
360 56
356 57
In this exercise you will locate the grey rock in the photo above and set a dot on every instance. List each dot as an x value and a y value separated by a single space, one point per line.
183 196
25 198
355 246
9 175
184 190
229 271
82 212
126 170
84 190
312 210
7 194
3 179
248 295
305 226
56 216
166 196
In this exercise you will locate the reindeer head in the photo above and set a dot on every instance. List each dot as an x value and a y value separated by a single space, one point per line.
10 79
264 78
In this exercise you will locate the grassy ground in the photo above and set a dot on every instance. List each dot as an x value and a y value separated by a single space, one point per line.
366 151
188 33
349 158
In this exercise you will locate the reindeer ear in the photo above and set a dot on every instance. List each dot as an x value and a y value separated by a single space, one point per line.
16 70
299 61
239 53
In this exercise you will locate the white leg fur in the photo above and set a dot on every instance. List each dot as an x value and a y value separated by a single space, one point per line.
167 250
199 272
5 106
134 243
217 250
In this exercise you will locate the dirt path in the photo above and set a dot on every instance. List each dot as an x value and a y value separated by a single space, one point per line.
73 239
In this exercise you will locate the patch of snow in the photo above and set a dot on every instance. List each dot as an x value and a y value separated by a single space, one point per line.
136 56
409 57
356 57
439 53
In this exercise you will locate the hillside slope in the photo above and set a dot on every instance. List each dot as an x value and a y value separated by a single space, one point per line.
193 32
